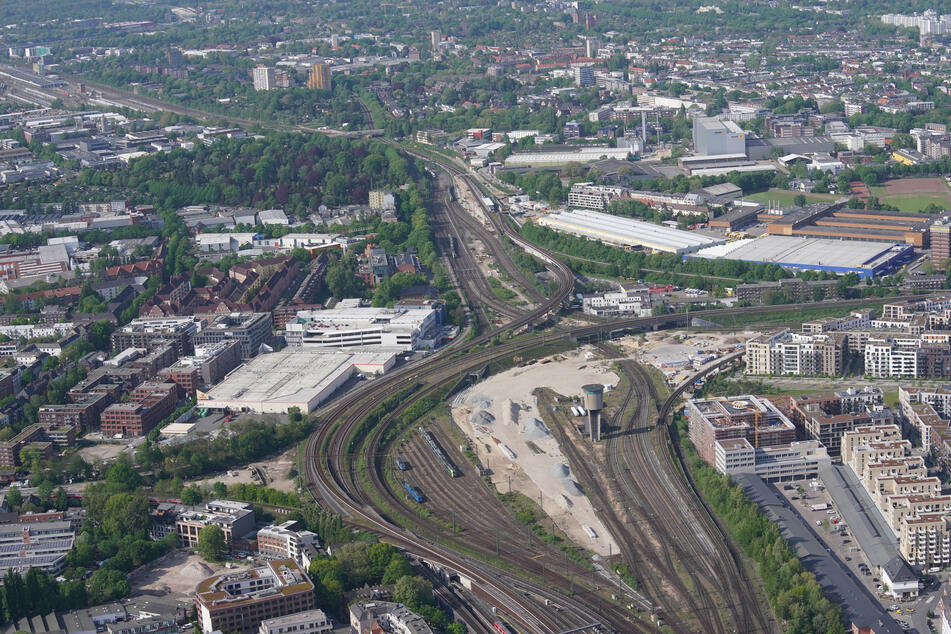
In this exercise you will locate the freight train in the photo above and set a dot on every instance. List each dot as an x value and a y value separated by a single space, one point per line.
440 453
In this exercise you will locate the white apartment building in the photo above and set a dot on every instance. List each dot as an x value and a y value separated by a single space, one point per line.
263 78
627 301
590 196
789 353
885 358
908 499
309 622
283 542
402 328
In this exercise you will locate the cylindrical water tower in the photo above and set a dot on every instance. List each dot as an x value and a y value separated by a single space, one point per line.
594 403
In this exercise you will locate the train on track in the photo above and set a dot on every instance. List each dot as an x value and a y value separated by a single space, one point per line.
440 453
502 628
402 465
414 492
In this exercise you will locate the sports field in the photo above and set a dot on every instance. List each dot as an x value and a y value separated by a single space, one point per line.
787 198
914 194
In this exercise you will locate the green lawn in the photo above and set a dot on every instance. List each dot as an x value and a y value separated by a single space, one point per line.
786 197
910 203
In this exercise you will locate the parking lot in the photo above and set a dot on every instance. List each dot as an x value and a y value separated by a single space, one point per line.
815 506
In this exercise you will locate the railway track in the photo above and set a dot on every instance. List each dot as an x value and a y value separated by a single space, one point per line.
352 483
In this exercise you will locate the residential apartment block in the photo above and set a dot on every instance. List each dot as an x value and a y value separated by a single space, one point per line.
240 601
235 519
827 416
757 420
909 500
42 438
928 410
789 353
285 542
150 404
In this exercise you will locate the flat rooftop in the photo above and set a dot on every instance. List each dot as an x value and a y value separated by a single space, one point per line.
293 377
802 252
627 232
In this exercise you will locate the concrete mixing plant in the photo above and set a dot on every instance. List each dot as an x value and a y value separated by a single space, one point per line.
594 403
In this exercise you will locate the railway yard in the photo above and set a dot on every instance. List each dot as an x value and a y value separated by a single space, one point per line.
390 460
530 574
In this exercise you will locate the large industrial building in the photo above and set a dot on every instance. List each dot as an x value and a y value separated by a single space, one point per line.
833 220
712 137
626 232
580 154
866 259
294 377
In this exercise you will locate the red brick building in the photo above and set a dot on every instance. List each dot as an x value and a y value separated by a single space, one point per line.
151 403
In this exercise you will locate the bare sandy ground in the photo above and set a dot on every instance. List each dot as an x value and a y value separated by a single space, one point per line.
173 576
678 354
501 417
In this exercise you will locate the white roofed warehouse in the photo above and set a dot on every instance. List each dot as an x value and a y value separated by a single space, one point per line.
626 231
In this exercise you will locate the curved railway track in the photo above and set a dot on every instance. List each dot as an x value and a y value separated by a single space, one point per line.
353 484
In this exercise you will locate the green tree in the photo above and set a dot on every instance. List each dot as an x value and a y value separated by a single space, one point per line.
14 498
413 592
397 568
191 496
211 543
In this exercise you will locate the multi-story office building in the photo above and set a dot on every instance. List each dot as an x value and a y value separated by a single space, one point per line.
209 365
150 333
40 545
150 404
40 437
83 412
309 622
263 78
627 301
361 327
319 77
748 417
795 461
285 542
240 601
583 76
940 235
252 330
235 519
590 196
789 353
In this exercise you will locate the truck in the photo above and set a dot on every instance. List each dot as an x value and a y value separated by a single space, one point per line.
819 507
